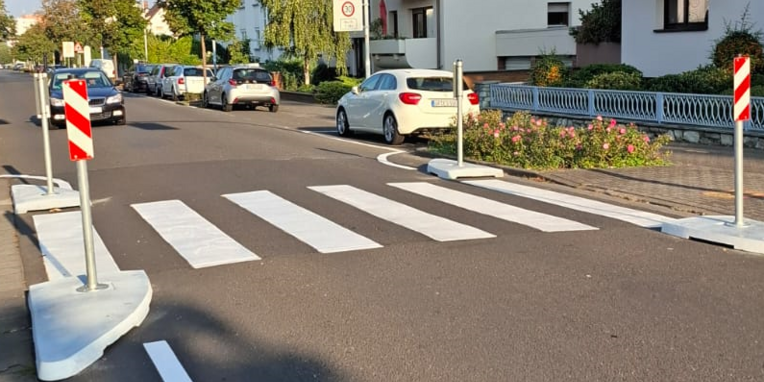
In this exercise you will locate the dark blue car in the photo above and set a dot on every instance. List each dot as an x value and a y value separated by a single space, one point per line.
106 102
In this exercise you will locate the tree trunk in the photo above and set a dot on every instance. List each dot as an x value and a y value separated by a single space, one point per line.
204 59
306 70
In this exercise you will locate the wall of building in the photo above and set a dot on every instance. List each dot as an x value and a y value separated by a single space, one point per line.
657 54
249 23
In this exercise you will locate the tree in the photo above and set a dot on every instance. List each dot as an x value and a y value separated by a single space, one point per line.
7 23
238 52
117 22
207 18
33 45
5 54
63 21
305 29
600 24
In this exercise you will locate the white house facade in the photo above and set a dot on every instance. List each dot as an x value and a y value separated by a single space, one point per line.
672 36
156 23
488 35
249 22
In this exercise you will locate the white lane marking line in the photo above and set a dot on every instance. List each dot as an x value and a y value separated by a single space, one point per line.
640 218
165 361
61 183
382 158
193 237
435 227
312 229
63 246
540 221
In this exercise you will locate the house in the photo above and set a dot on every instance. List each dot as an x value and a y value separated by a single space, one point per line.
488 35
249 22
156 22
672 36
23 23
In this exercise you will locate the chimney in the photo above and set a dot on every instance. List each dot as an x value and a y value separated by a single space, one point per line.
145 5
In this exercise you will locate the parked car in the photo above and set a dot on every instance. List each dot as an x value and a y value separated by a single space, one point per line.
105 100
107 66
401 102
242 85
184 80
154 79
136 79
19 66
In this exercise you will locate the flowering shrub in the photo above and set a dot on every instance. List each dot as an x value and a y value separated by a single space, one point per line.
529 142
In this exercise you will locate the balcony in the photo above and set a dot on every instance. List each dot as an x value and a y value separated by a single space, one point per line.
420 53
528 42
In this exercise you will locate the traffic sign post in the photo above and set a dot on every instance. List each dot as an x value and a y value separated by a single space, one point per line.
741 113
44 114
79 134
348 18
458 90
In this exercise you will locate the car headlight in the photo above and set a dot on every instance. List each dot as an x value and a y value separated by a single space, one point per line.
56 102
114 99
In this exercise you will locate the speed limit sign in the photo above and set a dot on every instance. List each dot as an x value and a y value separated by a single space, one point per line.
348 16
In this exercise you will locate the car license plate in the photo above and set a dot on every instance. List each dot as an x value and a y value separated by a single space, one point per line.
96 110
253 87
447 102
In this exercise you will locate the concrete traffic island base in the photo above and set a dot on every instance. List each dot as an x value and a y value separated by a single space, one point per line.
721 230
28 197
450 169
71 329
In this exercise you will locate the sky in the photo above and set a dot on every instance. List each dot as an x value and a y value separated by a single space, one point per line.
24 7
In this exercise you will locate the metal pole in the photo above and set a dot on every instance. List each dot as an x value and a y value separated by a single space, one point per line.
739 174
42 90
37 95
215 56
458 90
87 226
145 45
367 54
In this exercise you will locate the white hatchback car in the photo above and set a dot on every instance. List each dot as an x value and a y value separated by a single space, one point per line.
401 102
182 80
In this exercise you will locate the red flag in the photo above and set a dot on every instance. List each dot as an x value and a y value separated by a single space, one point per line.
383 16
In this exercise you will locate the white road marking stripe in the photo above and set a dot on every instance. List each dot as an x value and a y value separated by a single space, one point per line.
543 222
63 247
166 362
640 218
196 239
320 233
382 158
435 227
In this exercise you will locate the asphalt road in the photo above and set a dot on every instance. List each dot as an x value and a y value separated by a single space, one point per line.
620 303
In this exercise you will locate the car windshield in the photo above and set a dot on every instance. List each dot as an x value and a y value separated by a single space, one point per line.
93 79
251 75
143 68
195 72
432 84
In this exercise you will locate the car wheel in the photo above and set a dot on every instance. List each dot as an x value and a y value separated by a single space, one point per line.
343 128
205 101
160 94
227 107
390 128
273 108
121 122
52 125
174 94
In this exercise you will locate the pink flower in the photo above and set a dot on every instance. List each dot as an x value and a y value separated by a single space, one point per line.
572 134
516 153
485 126
496 133
514 128
606 146
647 139
608 129
622 131
590 126
539 122
630 149
562 133
502 125
599 118
612 123
578 146
516 139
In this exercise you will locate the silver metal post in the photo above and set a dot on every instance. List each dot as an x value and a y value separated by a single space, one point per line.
739 174
42 90
87 227
145 45
458 92
37 95
367 54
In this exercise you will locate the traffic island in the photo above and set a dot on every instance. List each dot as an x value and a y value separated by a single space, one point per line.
28 197
450 169
71 328
720 230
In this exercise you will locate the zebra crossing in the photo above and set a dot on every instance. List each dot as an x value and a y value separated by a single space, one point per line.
202 244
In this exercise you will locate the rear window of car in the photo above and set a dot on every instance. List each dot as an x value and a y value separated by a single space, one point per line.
432 84
251 75
195 72
143 68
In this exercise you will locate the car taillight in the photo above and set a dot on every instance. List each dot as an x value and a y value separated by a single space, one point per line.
410 98
474 98
232 82
273 83
181 81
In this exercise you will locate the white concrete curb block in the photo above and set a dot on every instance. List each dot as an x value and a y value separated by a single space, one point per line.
72 329
450 169
27 197
717 229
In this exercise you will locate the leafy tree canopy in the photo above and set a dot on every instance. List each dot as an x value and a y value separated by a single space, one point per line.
600 24
63 21
7 23
33 44
116 22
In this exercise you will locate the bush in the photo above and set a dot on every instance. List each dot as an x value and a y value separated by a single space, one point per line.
600 24
704 80
581 76
756 91
528 142
616 81
330 92
291 72
739 39
323 73
549 70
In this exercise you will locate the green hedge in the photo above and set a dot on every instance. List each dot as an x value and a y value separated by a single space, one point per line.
330 92
616 81
580 77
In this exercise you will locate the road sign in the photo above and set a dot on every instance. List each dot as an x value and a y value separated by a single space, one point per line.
348 15
68 49
78 48
742 109
78 128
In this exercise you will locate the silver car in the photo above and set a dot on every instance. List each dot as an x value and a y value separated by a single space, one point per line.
242 85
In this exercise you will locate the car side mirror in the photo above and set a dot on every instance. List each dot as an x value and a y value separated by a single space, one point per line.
213 79
355 90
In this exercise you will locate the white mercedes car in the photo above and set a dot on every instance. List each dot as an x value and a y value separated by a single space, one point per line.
401 102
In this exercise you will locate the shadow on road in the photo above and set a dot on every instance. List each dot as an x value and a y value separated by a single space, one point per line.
151 126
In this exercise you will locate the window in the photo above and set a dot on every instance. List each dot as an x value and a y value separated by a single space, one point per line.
243 34
685 15
370 83
394 22
387 82
558 14
421 18
433 84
